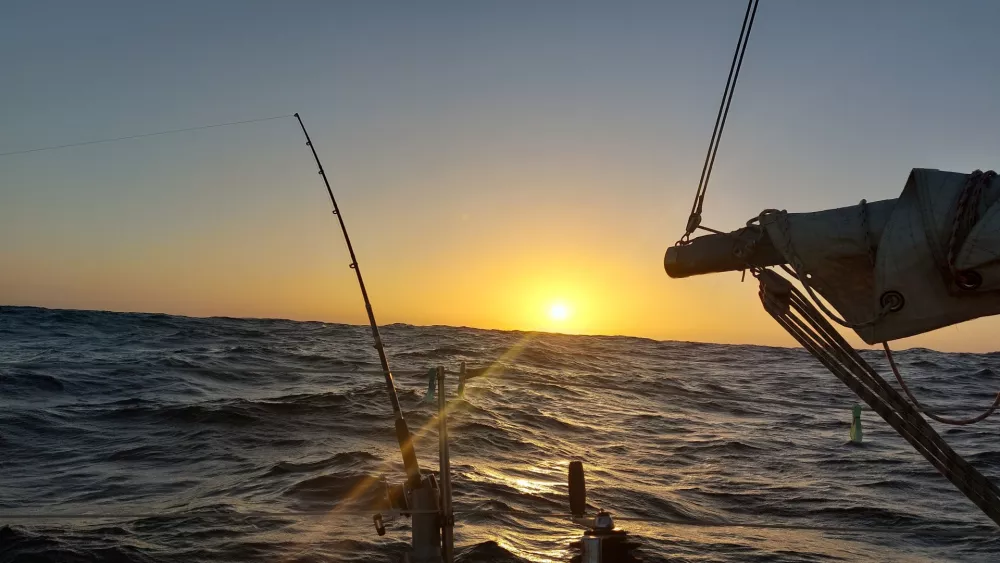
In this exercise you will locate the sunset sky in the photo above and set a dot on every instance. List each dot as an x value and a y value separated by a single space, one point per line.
512 165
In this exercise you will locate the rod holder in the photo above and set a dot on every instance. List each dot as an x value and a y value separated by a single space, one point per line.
444 458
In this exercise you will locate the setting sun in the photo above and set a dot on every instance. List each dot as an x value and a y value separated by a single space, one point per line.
559 312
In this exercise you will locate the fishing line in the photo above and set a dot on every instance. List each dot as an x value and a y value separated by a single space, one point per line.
142 135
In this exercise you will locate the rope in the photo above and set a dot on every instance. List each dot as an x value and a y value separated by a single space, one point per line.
966 215
952 421
694 220
141 135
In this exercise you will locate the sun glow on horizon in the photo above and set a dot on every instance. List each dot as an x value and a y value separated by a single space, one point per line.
559 311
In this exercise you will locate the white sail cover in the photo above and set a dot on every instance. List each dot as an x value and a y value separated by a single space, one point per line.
913 286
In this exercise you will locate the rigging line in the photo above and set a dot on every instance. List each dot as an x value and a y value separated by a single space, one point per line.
722 103
916 403
694 220
141 135
725 115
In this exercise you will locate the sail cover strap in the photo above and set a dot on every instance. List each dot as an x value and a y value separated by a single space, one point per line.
802 321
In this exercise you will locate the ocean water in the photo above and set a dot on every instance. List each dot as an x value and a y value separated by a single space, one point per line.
282 431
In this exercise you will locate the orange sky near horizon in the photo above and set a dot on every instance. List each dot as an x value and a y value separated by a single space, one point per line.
496 257
460 271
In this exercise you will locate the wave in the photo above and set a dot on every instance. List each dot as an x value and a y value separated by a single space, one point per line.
19 545
487 551
341 459
101 412
343 487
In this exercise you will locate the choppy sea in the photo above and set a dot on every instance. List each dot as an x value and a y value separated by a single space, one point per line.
146 437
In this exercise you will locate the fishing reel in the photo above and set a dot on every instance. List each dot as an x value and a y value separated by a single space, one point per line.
394 499
402 500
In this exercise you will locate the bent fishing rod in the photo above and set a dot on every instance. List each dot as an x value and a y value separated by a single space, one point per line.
402 431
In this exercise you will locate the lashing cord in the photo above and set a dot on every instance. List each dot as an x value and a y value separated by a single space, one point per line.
966 216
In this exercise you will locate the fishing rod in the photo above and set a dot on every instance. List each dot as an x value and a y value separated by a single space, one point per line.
402 431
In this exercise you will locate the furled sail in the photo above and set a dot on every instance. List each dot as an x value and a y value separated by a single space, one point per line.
891 269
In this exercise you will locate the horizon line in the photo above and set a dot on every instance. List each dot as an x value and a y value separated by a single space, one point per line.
522 331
